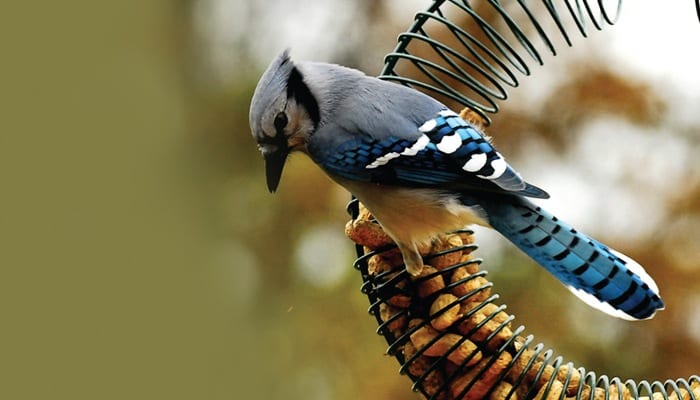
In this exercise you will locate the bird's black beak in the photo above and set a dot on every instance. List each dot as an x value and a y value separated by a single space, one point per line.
274 164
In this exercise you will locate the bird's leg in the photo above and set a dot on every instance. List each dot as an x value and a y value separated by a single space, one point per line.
411 258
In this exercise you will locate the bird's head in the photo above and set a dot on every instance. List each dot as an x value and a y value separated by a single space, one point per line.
283 115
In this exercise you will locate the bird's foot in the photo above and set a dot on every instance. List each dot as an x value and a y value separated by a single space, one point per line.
411 258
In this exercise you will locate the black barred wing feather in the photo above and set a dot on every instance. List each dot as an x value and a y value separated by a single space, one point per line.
448 153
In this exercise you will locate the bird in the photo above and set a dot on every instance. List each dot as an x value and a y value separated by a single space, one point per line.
422 170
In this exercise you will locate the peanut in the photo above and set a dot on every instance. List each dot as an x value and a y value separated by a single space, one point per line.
490 327
553 391
442 244
378 264
473 117
501 391
444 311
481 383
365 231
458 349
388 313
433 381
471 283
431 285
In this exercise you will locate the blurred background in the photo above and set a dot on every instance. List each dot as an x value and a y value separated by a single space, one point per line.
142 256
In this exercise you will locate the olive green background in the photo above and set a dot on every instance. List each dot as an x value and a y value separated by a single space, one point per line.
103 279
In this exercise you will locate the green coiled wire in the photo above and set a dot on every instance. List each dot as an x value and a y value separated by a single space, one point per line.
481 59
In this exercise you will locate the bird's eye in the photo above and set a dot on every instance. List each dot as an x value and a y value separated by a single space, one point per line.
280 121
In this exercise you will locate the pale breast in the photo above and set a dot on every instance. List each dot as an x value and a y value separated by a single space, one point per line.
414 215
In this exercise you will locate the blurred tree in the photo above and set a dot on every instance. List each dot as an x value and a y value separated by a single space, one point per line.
295 339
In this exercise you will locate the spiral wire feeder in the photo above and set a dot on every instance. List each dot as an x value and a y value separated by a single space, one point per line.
445 327
473 62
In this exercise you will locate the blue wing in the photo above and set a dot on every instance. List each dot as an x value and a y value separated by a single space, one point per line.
447 152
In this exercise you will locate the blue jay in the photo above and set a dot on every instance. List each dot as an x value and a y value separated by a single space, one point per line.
421 170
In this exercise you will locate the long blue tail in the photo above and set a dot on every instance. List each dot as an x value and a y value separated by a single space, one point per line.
600 276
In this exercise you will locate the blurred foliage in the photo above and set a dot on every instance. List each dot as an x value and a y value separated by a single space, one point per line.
143 258
591 91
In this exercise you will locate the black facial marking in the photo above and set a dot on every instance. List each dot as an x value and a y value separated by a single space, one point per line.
297 89
278 141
